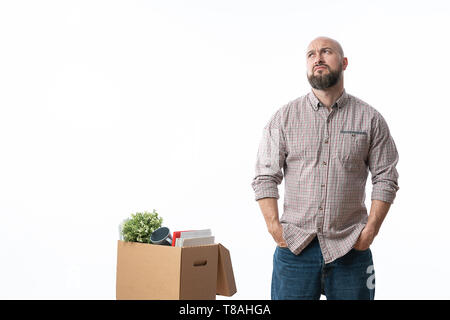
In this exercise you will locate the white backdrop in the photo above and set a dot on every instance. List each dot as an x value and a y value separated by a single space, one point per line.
112 107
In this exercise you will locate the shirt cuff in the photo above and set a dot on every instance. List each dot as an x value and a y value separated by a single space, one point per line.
268 193
383 195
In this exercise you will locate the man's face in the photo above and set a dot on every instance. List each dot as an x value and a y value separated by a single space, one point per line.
324 64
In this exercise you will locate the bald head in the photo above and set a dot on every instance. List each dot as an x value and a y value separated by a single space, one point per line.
321 41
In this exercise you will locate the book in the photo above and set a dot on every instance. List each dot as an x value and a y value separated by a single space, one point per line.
176 235
196 233
196 237
199 241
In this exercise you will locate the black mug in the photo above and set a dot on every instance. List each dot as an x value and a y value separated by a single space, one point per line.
161 236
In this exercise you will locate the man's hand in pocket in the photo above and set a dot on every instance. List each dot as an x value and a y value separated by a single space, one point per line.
365 239
276 230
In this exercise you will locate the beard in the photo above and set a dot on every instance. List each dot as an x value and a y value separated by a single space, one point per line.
324 81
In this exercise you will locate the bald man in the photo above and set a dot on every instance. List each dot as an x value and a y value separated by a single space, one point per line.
324 144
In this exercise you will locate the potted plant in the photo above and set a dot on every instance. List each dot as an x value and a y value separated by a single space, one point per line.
140 226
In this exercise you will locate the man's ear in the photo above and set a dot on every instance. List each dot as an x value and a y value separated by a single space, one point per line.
344 63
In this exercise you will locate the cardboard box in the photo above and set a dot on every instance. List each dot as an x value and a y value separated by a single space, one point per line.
155 272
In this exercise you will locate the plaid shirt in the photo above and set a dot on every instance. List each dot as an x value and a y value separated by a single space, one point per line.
325 157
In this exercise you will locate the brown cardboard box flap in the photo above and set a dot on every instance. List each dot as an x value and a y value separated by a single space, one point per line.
226 286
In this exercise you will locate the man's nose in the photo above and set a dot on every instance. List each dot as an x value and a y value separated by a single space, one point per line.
318 60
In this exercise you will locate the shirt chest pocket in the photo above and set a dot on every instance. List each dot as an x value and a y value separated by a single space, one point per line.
351 149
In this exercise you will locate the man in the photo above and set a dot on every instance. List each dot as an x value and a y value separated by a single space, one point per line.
325 142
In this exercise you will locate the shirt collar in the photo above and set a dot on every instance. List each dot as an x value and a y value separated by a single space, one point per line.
315 103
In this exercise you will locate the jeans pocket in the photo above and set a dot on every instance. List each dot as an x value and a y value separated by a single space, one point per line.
361 250
362 255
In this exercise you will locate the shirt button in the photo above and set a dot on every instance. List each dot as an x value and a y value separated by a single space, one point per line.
320 208
324 163
323 186
326 141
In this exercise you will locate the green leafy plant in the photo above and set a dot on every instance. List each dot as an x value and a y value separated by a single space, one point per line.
140 226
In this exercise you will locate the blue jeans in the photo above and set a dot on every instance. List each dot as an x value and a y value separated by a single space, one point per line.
305 276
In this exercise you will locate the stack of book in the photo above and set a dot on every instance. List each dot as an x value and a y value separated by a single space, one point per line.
191 238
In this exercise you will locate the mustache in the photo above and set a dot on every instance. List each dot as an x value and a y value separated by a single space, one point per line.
320 65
